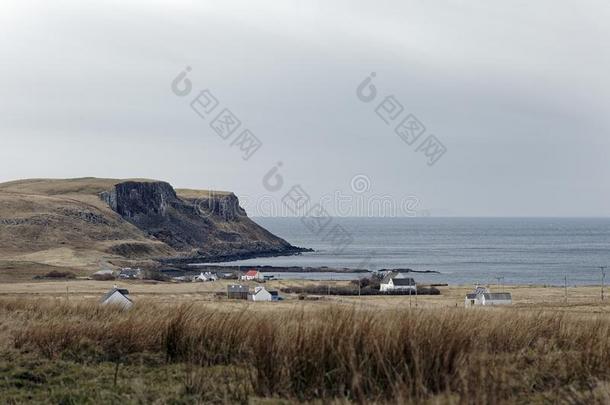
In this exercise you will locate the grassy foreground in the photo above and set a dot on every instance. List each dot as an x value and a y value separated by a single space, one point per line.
80 353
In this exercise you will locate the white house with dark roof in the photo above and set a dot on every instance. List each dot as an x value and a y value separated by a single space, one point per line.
482 296
396 282
117 296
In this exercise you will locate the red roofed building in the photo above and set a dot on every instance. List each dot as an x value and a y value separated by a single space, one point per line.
252 275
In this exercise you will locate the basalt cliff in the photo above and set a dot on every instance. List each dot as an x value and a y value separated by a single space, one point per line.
88 223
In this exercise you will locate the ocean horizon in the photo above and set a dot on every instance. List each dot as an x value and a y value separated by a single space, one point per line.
463 250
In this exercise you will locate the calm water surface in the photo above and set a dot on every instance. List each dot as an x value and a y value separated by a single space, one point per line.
463 250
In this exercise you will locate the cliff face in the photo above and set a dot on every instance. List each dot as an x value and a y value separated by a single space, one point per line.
137 200
87 221
225 206
210 226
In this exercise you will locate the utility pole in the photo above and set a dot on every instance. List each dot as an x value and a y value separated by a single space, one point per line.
498 278
565 284
603 269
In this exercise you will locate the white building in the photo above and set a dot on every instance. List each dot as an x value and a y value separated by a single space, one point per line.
482 296
396 282
261 294
117 296
252 275
203 277
501 298
129 273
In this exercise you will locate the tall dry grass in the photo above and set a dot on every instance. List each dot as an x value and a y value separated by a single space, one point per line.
461 356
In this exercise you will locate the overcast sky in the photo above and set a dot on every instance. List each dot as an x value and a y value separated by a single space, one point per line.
518 93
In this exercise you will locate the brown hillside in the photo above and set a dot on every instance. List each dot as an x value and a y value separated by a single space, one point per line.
87 223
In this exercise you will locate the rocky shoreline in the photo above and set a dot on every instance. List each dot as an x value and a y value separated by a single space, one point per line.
274 269
231 257
209 266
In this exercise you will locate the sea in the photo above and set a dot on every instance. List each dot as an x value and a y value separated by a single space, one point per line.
463 251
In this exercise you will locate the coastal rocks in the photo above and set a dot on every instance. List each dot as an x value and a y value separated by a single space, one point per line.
400 270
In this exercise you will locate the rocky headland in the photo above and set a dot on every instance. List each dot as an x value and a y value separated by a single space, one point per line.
89 223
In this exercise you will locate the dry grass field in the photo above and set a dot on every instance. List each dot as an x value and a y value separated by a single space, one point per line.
183 343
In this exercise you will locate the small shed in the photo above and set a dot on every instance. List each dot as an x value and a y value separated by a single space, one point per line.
237 292
117 297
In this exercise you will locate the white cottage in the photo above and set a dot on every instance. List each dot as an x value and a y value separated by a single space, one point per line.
396 282
117 296
474 298
203 277
482 296
261 294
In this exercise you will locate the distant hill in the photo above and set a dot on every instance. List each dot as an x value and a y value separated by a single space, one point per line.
87 223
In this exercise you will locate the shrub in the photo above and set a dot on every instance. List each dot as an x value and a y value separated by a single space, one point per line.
155 275
370 289
103 277
60 274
